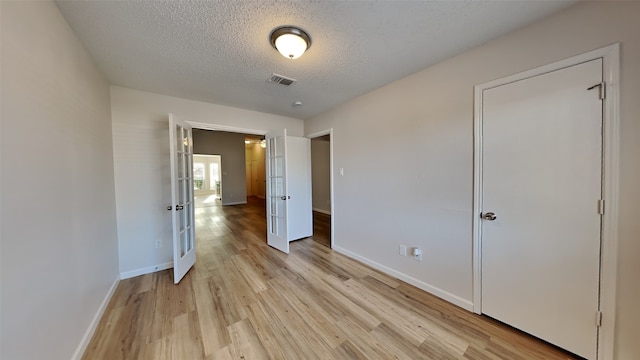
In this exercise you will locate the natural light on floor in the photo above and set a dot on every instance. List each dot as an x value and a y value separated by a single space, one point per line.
210 199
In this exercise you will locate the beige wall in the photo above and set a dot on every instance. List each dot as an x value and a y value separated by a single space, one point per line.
430 113
321 175
230 147
59 257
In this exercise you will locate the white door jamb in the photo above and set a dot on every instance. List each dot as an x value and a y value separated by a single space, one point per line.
333 213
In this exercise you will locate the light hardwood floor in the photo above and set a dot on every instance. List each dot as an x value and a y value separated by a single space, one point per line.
245 300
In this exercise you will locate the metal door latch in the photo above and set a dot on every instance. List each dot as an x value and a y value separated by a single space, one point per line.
488 216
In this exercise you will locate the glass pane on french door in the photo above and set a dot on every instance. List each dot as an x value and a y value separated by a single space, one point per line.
276 204
185 189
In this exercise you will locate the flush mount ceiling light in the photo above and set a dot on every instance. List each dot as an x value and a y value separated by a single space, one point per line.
290 41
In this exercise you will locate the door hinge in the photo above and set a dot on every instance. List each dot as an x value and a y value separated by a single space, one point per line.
598 318
601 207
602 90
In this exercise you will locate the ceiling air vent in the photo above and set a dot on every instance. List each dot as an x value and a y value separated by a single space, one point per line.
282 80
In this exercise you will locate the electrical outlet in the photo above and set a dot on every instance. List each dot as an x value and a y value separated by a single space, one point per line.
417 254
403 250
158 244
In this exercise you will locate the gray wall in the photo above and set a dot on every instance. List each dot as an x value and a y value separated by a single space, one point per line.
231 148
59 242
320 174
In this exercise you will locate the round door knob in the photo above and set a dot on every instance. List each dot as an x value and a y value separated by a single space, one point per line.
488 216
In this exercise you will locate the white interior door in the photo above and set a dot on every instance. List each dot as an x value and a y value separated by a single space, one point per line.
542 180
289 207
277 190
299 197
181 147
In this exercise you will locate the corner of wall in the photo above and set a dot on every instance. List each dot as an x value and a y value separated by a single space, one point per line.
88 335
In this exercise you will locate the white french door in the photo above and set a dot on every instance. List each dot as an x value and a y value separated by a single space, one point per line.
181 147
541 177
277 190
289 207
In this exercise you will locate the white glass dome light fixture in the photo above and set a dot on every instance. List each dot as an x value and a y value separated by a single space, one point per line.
290 41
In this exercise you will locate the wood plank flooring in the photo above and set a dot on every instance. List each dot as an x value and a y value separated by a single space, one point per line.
245 300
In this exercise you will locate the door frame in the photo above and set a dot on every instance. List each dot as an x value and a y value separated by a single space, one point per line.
233 129
315 135
208 173
610 56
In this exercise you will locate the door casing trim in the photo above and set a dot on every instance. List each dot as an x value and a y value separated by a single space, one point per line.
333 214
610 56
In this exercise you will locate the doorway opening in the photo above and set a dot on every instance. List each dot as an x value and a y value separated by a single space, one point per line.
322 186
207 180
249 190
228 186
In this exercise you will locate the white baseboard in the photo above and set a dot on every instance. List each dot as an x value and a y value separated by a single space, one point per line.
326 212
235 203
77 355
454 299
146 270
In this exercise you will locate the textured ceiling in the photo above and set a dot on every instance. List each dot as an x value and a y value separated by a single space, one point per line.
219 51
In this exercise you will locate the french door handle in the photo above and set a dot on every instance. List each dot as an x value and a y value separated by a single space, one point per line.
488 216
179 207
285 197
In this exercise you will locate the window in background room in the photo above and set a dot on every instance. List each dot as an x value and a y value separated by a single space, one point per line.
198 176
